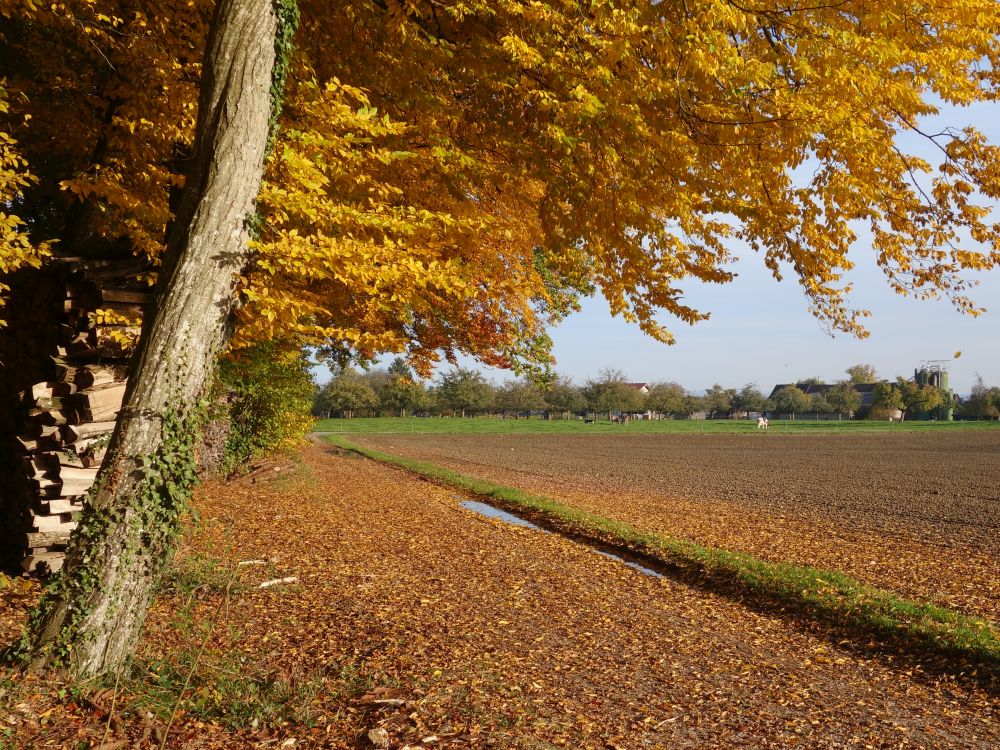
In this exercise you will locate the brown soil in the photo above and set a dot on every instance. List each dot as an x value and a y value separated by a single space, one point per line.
913 512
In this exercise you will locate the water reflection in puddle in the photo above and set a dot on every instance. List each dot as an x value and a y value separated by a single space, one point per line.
490 511
634 565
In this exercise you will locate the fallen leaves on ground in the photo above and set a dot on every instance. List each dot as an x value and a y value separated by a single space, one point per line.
416 623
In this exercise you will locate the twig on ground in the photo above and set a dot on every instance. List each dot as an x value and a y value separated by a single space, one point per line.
278 582
111 711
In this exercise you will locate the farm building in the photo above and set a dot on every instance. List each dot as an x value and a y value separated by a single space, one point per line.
931 373
934 373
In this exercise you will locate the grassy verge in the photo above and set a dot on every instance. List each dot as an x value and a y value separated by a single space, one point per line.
827 595
223 688
205 675
536 425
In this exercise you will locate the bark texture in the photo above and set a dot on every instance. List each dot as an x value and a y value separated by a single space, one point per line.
91 618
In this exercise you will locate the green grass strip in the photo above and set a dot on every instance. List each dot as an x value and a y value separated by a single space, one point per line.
536 426
829 595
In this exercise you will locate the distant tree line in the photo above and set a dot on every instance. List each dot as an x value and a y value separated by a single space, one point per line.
396 391
461 392
983 402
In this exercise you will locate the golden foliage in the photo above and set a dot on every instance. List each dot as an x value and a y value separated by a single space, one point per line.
663 131
451 175
16 247
362 246
111 91
122 331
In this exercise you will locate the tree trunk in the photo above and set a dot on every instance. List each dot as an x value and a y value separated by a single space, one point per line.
91 617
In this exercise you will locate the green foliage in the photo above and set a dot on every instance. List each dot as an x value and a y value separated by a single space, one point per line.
749 399
269 392
348 391
518 396
790 400
171 472
692 404
611 392
718 401
155 510
861 374
666 398
844 398
885 398
818 404
563 396
919 401
287 12
464 390
812 380
397 389
404 394
983 402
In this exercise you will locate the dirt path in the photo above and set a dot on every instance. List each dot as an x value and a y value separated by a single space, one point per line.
919 514
497 637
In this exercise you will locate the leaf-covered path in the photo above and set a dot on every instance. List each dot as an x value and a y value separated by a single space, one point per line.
473 633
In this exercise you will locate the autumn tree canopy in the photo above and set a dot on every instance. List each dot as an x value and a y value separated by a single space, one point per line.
861 374
450 176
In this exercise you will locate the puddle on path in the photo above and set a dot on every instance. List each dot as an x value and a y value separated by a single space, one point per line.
634 565
485 509
490 512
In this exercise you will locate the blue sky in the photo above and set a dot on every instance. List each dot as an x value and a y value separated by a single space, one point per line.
760 330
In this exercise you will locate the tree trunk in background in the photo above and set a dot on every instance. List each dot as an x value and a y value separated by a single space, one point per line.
91 617
214 436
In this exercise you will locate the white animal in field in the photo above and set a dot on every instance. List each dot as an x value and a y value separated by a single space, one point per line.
761 423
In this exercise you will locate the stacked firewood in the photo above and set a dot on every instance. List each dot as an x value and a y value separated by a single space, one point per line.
66 423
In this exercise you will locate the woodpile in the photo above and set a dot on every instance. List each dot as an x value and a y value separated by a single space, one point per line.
66 422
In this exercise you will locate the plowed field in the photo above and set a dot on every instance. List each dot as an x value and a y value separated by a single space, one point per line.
917 513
